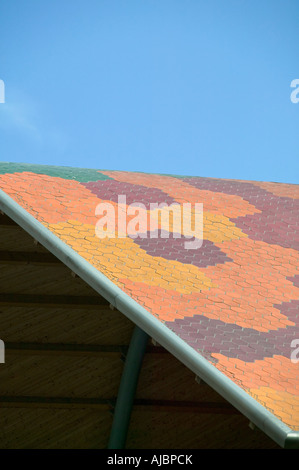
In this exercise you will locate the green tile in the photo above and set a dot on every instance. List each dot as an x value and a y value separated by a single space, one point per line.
83 175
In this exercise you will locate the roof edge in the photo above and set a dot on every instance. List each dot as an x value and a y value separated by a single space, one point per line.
229 390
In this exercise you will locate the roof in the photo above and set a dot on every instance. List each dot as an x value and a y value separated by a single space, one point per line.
228 309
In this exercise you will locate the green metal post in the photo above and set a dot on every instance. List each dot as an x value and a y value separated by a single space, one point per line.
127 389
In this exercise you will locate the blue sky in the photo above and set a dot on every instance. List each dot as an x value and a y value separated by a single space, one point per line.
186 87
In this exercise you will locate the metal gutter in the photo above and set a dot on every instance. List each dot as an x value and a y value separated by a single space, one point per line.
127 389
248 406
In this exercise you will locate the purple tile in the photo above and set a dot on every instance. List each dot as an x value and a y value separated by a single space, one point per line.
110 190
214 336
174 249
294 280
276 224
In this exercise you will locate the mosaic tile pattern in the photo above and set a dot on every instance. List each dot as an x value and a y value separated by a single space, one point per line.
235 299
173 248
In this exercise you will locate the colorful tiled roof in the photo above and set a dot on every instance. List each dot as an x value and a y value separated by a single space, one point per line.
235 299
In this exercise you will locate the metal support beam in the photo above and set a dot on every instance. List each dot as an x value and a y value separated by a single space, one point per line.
127 389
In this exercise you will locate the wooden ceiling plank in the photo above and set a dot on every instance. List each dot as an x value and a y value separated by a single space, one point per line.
59 348
22 257
5 220
108 403
50 301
